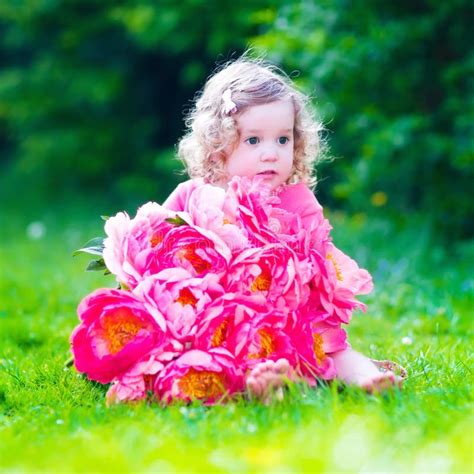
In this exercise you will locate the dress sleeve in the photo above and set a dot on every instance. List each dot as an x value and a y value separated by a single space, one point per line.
299 199
178 199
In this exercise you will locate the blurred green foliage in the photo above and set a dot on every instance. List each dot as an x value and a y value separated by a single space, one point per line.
92 93
394 83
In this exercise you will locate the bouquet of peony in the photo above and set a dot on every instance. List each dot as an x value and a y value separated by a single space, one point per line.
208 293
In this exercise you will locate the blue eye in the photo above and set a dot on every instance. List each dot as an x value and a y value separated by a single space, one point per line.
252 140
283 140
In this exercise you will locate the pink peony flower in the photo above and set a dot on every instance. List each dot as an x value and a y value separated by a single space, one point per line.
140 379
180 297
273 271
248 204
314 343
348 274
209 208
261 337
130 242
197 250
217 322
336 282
116 330
197 375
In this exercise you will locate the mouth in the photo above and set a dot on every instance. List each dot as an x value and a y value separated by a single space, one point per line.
267 173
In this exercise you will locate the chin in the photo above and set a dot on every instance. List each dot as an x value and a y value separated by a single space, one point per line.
272 181
277 181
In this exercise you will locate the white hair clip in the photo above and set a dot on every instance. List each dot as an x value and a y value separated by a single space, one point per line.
229 106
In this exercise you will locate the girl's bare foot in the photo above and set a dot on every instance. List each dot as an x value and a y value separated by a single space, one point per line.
381 382
356 369
266 380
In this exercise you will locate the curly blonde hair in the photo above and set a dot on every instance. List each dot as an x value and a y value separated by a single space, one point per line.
210 130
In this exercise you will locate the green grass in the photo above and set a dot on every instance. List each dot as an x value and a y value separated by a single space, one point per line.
54 420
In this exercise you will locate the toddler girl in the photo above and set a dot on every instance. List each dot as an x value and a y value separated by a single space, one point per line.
251 121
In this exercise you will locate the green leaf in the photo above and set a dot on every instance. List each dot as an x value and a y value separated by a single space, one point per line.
69 362
105 218
97 265
177 221
95 246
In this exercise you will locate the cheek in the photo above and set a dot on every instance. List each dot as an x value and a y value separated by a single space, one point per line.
239 162
228 150
231 157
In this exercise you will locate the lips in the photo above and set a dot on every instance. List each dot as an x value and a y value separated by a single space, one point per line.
267 173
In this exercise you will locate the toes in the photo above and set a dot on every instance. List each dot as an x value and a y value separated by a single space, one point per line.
382 382
282 366
266 379
261 368
258 370
274 379
255 372
268 365
254 386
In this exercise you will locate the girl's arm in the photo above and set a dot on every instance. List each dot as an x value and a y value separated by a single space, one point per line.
299 199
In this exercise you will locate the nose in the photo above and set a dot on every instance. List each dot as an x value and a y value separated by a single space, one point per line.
269 154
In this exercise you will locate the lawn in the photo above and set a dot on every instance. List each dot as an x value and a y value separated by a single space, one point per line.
54 420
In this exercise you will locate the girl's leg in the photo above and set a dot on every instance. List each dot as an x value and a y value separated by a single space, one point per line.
354 368
265 381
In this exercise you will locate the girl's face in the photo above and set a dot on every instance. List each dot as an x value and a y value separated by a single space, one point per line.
266 143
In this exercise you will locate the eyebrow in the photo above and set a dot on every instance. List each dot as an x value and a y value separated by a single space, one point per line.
253 130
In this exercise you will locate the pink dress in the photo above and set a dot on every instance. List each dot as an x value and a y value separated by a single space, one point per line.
295 198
